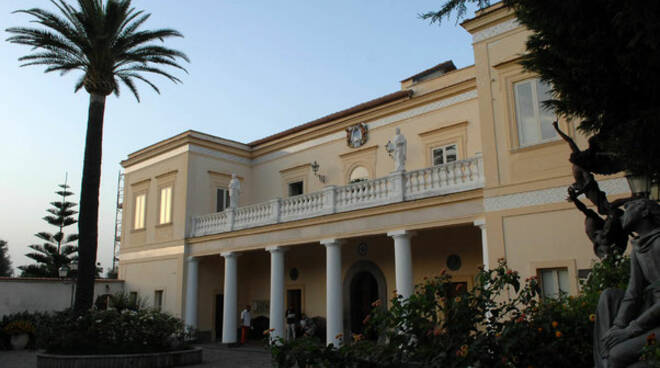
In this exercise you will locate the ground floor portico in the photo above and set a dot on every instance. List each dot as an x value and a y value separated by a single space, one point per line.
336 279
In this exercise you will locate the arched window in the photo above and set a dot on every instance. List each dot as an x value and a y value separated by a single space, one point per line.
360 173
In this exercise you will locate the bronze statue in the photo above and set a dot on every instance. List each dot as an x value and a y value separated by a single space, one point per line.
606 235
587 162
624 320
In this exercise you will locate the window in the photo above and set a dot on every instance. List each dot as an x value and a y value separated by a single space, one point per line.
444 154
554 281
295 188
358 174
534 121
140 203
221 199
133 297
158 300
165 205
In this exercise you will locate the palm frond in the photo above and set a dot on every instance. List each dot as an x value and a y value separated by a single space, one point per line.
103 39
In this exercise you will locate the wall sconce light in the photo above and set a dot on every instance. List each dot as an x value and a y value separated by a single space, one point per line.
315 169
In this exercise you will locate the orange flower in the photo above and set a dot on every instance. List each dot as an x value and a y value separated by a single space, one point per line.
357 337
437 331
459 287
650 339
463 351
366 319
376 303
555 324
457 299
540 329
339 336
559 334
592 317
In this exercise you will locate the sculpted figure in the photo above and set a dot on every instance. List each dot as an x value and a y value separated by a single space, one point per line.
234 191
624 320
397 150
606 235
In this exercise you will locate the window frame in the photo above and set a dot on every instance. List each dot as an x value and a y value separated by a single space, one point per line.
534 82
169 216
555 280
158 302
225 198
143 213
302 187
444 153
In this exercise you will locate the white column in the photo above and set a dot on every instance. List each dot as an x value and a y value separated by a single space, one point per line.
191 292
334 303
230 304
481 223
276 291
403 268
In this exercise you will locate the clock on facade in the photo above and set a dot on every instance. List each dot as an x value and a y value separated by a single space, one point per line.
357 135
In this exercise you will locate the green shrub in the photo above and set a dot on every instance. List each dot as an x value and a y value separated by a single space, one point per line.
114 332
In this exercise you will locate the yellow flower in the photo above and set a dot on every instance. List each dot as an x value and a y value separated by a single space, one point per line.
357 337
339 336
592 317
555 324
457 299
559 334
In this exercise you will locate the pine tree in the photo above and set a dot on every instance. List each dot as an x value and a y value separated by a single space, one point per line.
5 262
57 250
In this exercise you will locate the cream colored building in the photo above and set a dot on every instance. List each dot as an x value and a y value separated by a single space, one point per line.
325 223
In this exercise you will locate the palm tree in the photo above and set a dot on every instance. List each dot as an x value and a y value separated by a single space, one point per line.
104 42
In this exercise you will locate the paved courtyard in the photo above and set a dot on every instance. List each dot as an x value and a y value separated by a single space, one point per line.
215 355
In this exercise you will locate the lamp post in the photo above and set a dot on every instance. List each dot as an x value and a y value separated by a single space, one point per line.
74 276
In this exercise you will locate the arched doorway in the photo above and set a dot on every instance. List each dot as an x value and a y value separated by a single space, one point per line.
364 291
364 283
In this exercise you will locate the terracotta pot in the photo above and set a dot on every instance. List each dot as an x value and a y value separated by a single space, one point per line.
19 341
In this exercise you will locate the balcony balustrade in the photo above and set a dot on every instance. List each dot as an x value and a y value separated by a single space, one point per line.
453 177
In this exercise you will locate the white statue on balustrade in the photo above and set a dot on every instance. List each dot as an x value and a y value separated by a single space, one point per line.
397 150
234 191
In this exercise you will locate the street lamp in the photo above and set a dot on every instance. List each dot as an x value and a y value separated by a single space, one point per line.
74 267
640 185
63 271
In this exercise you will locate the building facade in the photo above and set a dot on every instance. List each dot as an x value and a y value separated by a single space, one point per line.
330 217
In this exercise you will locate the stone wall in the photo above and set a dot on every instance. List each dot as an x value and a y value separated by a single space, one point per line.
44 295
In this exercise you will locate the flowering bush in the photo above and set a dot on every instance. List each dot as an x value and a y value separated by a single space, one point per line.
29 323
19 327
112 332
500 322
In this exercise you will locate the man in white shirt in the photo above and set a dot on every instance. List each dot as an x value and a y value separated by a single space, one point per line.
246 321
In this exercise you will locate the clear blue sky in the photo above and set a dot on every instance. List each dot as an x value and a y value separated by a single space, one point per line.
258 67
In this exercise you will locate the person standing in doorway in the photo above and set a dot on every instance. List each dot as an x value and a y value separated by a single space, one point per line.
246 321
290 324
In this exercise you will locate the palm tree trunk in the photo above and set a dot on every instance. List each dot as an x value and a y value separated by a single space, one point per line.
89 205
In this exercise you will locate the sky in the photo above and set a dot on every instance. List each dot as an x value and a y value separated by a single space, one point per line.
257 67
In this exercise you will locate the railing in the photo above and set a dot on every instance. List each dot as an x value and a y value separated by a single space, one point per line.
438 180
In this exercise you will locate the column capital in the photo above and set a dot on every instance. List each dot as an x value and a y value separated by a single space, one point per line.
401 234
480 222
275 249
229 254
331 242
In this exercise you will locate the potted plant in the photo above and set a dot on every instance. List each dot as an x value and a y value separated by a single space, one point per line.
19 331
